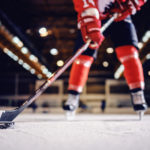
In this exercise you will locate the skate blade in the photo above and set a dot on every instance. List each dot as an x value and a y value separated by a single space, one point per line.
6 125
141 114
70 115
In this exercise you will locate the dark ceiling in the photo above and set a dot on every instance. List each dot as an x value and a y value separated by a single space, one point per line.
59 17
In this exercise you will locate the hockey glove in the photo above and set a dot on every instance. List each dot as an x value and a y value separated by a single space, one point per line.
90 25
127 7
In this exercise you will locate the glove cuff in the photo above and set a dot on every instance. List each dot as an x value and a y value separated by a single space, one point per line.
89 12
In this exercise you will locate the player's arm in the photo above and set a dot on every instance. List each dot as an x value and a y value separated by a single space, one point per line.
127 7
89 21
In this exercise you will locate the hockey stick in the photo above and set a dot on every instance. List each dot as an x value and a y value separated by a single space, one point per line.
9 115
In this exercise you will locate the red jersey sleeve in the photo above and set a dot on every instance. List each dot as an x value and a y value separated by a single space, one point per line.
81 5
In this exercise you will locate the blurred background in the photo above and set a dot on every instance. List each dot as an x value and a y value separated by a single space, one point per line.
37 36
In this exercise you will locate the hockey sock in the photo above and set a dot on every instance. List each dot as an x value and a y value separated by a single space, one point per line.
73 92
135 90
79 73
133 71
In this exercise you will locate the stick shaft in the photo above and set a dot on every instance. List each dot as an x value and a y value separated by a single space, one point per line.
108 23
11 115
54 76
66 65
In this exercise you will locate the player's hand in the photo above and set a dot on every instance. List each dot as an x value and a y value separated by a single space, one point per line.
90 28
127 7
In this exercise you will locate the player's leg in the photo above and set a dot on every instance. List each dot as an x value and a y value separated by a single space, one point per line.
127 52
78 75
133 72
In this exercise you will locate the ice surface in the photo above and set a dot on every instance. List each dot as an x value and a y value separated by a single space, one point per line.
86 132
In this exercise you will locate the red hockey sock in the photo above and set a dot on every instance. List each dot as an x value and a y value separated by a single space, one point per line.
133 71
79 72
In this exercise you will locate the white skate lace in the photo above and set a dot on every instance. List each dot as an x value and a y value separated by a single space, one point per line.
138 97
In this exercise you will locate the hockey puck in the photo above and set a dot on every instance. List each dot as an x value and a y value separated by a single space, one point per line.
6 125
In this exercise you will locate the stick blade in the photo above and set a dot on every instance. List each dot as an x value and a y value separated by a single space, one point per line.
8 115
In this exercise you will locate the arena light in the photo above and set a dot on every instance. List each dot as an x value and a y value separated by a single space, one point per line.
60 63
45 70
49 74
72 31
10 54
24 50
105 64
6 50
147 34
39 76
54 51
26 66
42 67
33 58
140 45
148 56
149 73
20 61
146 37
32 71
43 32
18 52
15 58
110 50
17 41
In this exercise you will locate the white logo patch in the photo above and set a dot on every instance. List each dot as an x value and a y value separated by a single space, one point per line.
86 3
102 4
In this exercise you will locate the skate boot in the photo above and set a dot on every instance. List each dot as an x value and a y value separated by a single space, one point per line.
139 103
71 106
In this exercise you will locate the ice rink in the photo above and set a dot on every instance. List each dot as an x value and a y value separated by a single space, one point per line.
85 132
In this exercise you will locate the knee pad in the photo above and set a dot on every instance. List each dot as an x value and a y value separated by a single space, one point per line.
133 70
79 72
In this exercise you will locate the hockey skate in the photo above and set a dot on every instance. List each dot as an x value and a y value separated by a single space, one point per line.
139 103
71 106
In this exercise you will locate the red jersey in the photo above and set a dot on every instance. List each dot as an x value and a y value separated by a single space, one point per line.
80 5
101 5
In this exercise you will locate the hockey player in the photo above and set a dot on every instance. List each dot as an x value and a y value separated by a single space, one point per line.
91 13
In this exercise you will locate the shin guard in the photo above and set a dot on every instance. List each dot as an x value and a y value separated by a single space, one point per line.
133 71
79 72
